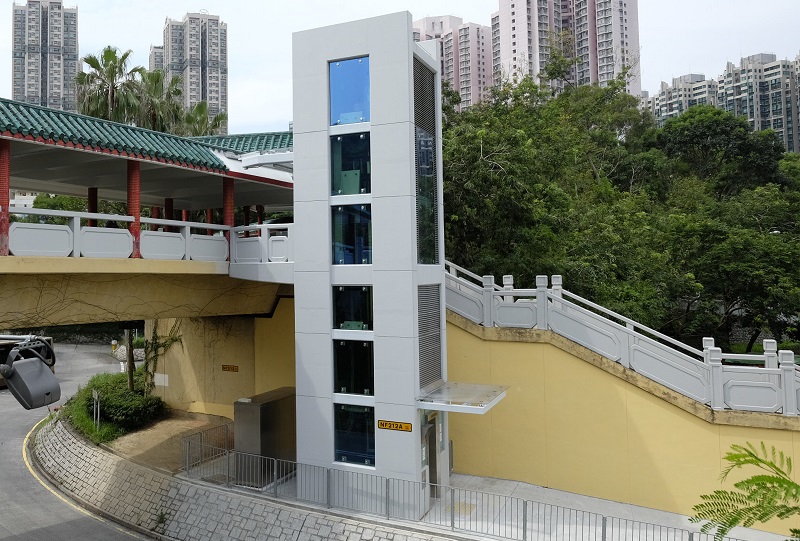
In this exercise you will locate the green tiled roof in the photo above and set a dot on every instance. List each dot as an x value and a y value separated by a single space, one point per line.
250 142
19 119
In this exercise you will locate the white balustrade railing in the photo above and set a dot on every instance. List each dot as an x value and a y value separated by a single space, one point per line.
266 243
159 239
771 384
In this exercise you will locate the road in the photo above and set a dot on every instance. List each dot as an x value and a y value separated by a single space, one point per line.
28 509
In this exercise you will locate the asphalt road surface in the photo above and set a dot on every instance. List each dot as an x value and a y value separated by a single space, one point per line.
30 511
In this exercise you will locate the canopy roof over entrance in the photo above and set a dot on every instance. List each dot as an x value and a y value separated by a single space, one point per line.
66 153
462 397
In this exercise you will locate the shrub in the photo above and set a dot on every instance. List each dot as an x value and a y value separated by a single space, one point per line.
138 342
121 410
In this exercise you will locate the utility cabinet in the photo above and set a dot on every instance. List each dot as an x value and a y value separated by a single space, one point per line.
264 428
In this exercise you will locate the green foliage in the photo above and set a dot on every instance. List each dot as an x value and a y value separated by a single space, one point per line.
109 89
112 90
196 121
721 148
690 228
156 347
121 410
757 499
138 342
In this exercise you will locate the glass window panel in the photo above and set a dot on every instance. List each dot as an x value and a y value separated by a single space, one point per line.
354 434
354 367
427 215
352 307
352 235
350 164
349 84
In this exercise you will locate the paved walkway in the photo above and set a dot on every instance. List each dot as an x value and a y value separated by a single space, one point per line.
171 507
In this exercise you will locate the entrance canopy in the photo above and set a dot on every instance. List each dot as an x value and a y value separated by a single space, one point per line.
463 398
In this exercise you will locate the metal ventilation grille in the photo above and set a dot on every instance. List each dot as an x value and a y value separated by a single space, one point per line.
424 97
430 334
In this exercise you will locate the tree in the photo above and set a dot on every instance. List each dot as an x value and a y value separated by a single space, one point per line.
722 149
757 499
109 90
158 108
197 122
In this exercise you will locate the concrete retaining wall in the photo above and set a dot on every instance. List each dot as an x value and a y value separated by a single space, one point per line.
178 509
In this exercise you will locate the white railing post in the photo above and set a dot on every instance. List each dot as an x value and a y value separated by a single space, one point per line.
233 237
186 233
541 302
558 282
508 285
714 360
787 365
488 301
770 354
75 226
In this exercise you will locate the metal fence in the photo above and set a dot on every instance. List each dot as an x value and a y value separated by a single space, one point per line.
209 456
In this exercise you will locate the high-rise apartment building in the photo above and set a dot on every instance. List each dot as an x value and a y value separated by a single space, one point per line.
760 88
686 91
196 50
465 52
44 54
764 90
605 35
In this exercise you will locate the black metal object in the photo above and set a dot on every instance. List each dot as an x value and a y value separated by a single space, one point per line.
28 371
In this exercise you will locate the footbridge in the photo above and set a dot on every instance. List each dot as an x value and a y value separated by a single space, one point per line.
61 267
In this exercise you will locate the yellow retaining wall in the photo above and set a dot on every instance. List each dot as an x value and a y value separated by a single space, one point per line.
222 359
274 348
577 422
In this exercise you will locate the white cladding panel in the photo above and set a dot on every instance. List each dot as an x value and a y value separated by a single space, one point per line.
395 378
386 41
314 374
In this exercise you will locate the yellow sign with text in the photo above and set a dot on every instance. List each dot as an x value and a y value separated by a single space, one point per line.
394 425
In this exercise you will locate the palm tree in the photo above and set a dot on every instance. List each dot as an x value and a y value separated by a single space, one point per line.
759 498
196 121
158 107
108 90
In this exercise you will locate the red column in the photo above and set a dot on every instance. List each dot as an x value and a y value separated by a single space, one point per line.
246 212
259 216
185 215
227 204
135 204
155 212
169 212
209 220
91 200
5 194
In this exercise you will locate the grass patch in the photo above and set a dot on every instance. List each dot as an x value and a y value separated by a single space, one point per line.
758 347
121 410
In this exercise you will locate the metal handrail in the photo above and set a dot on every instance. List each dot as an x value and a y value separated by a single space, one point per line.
507 525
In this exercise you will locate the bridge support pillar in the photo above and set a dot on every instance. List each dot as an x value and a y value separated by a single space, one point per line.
209 220
227 206
169 211
91 205
135 205
5 193
259 216
246 212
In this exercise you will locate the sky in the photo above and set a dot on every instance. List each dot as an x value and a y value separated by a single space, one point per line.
676 37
